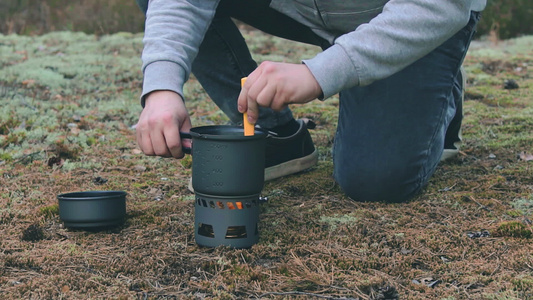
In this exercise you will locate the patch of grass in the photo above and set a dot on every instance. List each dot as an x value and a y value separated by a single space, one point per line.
523 283
17 262
5 156
334 221
50 211
64 149
506 295
523 205
186 162
514 229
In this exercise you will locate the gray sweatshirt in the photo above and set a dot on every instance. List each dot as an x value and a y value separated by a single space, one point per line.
371 39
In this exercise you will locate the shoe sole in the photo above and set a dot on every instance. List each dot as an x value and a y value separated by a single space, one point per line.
291 166
448 154
284 169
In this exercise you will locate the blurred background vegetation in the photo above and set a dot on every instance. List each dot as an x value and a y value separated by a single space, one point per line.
33 17
502 19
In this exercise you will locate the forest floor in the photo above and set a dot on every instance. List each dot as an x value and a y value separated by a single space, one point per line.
69 103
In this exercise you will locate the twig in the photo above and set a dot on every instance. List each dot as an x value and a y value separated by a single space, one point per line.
529 266
146 295
26 156
496 269
63 236
481 205
304 294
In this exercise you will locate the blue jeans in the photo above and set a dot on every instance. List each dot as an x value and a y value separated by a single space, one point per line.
390 134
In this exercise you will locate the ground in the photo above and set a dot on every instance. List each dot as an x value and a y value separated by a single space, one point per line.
69 103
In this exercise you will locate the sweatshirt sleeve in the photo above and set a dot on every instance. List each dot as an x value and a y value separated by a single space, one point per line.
173 32
405 31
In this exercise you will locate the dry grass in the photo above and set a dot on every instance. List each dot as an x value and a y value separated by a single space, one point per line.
468 236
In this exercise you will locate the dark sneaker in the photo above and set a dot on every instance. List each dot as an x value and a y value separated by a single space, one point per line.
291 154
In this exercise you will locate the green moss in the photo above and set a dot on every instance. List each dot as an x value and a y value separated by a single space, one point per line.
49 211
515 213
70 165
186 162
9 124
523 205
91 141
12 139
513 229
505 295
523 282
5 156
336 220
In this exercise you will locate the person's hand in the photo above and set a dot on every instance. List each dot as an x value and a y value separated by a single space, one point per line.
160 122
277 85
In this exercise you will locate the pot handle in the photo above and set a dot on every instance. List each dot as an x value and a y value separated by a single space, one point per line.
186 135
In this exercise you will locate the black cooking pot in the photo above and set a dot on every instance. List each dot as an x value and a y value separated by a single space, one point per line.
225 161
92 209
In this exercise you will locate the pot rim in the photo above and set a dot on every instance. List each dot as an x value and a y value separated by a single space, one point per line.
226 132
91 195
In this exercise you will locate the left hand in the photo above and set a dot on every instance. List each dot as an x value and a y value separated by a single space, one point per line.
277 85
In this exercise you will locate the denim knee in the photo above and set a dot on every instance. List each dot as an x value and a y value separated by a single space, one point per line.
373 185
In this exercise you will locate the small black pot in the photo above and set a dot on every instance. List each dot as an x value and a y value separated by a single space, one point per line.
92 209
225 161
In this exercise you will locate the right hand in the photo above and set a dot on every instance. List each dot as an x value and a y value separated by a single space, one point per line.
160 122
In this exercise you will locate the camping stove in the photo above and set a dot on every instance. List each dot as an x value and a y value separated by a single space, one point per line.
226 220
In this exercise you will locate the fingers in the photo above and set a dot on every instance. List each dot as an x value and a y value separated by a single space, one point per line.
172 141
273 85
260 90
160 122
242 102
246 102
143 140
155 138
258 84
166 143
186 127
